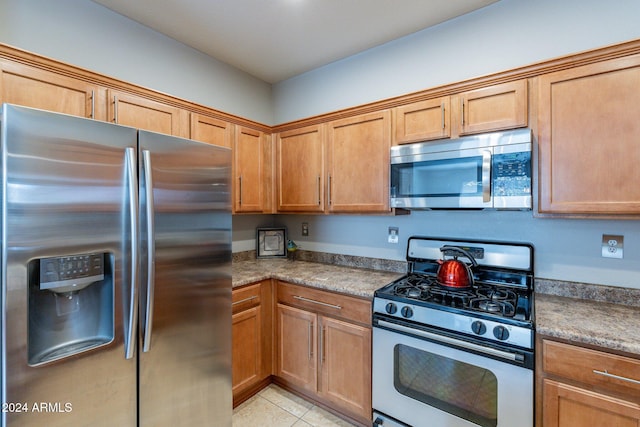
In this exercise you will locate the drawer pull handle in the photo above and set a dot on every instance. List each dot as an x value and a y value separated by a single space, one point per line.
245 300
337 307
617 377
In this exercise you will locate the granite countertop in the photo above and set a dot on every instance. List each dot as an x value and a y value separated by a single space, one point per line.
359 282
603 324
601 316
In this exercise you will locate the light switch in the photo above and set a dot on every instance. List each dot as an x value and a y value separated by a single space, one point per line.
393 234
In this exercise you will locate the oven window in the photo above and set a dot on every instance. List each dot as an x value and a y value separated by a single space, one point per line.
461 389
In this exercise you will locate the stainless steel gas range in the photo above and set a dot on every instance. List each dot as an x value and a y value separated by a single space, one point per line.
456 356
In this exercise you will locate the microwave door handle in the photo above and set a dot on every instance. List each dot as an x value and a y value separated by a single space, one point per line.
486 176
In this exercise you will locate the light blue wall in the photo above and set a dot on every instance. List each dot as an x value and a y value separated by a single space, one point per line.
507 34
83 33
504 35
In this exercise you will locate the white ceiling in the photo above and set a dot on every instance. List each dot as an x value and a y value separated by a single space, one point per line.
278 39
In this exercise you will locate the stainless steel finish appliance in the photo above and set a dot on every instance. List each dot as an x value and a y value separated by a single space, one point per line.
116 275
456 357
490 170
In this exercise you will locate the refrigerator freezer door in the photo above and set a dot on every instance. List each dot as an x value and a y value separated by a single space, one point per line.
65 215
185 302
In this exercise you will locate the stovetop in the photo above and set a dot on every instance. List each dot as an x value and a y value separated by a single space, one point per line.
498 307
482 298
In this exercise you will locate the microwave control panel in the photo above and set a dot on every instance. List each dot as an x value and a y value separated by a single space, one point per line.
512 174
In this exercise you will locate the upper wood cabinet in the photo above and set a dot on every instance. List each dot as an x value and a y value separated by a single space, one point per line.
300 170
589 139
36 88
252 171
142 113
497 107
358 163
212 131
422 121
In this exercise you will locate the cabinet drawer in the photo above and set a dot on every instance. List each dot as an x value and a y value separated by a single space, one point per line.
617 373
245 297
325 302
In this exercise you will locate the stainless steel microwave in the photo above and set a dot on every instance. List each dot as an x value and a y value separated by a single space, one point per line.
487 171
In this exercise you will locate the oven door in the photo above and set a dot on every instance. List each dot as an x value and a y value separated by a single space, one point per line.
421 381
452 179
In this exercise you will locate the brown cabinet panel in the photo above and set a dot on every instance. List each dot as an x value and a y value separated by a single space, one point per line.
212 131
592 367
497 107
569 406
297 347
345 360
32 87
324 347
345 307
578 387
589 144
358 173
249 173
422 121
300 170
142 113
252 339
246 353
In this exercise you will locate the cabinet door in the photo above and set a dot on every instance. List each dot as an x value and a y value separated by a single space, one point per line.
422 121
32 87
345 359
246 355
300 170
297 347
212 131
358 178
496 107
249 182
569 406
589 139
146 114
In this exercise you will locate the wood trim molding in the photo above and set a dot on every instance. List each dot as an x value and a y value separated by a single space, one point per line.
41 62
525 72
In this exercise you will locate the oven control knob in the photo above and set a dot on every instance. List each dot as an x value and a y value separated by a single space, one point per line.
391 308
478 327
501 333
406 312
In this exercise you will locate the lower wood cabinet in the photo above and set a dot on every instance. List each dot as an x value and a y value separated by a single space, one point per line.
324 348
583 387
251 339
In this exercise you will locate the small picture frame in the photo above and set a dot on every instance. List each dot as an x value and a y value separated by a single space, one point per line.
271 242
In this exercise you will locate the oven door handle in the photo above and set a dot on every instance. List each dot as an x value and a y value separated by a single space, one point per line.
452 341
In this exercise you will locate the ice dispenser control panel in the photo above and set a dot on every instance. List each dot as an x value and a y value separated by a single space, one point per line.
71 273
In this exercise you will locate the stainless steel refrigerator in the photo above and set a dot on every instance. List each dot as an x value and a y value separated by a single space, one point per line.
116 275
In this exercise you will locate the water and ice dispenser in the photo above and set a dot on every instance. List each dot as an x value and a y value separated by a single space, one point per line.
71 305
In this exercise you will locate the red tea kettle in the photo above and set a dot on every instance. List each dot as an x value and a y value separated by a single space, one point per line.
453 273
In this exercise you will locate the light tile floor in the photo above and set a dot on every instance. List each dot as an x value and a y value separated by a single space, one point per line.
275 407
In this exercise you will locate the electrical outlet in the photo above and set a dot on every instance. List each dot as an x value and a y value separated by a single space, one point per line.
305 228
393 234
612 246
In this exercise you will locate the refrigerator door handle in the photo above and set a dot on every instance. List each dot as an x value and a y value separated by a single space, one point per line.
130 159
151 250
